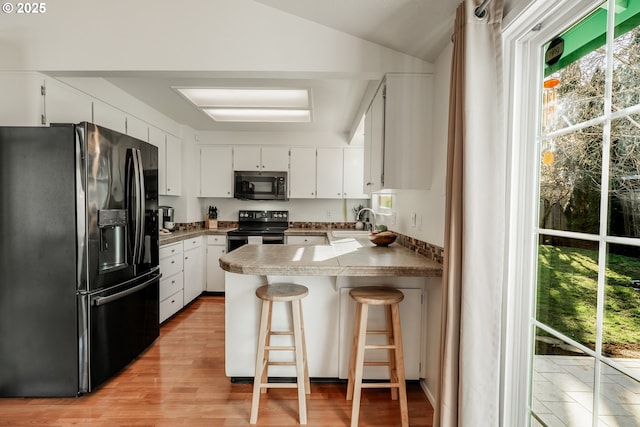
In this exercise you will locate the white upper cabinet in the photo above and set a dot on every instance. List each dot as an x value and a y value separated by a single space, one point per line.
275 159
169 162
329 173
64 104
174 166
137 128
216 173
302 179
246 158
374 143
21 100
251 158
407 140
398 134
353 173
110 117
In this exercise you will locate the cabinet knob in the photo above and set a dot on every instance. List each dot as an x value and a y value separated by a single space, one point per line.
168 190
186 257
257 166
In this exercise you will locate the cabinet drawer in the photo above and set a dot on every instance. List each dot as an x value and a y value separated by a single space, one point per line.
306 240
170 285
217 240
171 265
172 249
170 306
195 242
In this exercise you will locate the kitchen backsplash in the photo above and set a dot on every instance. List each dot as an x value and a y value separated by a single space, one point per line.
432 252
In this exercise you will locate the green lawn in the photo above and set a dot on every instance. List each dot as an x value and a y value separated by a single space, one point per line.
567 297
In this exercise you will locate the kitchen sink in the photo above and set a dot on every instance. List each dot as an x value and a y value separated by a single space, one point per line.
349 233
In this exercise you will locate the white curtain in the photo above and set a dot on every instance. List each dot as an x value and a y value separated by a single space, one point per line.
469 393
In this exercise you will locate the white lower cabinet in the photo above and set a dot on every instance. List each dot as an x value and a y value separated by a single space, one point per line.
193 268
410 324
216 247
172 281
306 240
182 268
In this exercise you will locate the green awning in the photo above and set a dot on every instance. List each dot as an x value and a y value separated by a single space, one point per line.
590 33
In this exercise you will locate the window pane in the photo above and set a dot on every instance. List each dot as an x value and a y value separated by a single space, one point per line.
626 57
624 186
567 287
619 402
574 85
570 177
621 331
562 384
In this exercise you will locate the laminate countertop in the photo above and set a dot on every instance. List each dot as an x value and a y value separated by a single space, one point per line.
349 256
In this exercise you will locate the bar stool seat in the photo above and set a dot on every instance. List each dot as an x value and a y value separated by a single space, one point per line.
390 298
289 293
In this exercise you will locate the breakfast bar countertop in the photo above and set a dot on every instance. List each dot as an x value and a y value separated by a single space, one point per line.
341 257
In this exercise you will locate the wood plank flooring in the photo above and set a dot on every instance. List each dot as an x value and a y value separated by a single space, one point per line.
180 381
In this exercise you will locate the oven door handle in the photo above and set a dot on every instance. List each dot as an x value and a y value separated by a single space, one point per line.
98 301
272 239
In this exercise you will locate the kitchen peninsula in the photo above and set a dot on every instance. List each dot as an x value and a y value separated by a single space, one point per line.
329 271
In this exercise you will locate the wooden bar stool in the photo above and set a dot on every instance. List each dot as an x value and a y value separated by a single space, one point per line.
390 298
293 294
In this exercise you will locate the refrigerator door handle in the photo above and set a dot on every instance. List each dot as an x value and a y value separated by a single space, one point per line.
135 202
140 202
98 301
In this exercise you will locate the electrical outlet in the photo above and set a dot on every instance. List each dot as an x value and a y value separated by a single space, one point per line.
328 214
413 219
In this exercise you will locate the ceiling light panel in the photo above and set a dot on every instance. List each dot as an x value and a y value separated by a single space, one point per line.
247 98
258 115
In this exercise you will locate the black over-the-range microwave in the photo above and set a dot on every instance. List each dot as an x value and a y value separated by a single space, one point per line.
253 185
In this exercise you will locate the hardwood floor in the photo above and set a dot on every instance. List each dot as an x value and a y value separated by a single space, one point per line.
180 381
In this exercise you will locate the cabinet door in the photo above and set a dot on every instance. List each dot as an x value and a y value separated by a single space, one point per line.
158 138
373 144
137 128
174 166
246 158
407 138
65 104
302 179
275 159
353 167
329 173
21 100
216 176
193 272
410 323
215 273
109 117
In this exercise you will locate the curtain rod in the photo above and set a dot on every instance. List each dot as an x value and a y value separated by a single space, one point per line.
481 11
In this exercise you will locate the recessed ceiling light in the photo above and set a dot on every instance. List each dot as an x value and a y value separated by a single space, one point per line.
252 104
258 115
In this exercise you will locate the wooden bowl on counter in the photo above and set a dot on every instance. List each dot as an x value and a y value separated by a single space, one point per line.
384 238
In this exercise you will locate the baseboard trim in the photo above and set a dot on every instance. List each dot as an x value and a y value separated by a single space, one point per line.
427 392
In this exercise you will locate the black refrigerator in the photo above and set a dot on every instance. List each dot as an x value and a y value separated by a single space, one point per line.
79 274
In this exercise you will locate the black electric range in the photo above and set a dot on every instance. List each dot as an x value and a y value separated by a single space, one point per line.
262 227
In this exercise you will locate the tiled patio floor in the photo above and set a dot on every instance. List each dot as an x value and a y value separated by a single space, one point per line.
563 393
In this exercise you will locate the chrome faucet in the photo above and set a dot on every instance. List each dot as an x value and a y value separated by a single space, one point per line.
373 224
